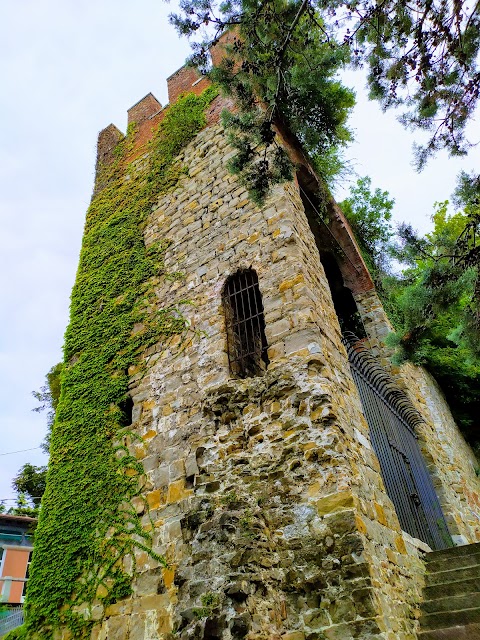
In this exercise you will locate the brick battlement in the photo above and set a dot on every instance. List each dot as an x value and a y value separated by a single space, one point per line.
185 79
144 109
147 113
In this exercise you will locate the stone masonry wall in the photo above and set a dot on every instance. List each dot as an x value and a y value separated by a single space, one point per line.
265 493
450 460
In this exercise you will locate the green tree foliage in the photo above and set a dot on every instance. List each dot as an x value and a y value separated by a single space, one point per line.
467 249
30 481
29 484
422 56
434 303
281 66
281 73
48 398
369 214
429 286
23 507
443 277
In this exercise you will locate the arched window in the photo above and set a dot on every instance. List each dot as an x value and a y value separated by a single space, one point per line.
245 322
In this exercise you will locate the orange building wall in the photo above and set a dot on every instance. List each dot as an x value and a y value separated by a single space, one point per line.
15 566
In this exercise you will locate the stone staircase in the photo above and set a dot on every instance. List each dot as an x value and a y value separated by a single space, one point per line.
451 607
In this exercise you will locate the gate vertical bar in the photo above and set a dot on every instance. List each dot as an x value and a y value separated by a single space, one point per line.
392 419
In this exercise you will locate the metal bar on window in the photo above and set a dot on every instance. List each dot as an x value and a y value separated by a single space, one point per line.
245 324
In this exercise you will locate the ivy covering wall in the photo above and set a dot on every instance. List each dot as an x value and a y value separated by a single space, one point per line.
88 524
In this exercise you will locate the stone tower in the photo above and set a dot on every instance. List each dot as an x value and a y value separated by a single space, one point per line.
262 486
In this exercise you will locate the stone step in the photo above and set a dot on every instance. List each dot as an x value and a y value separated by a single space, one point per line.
447 619
451 603
455 588
452 552
444 564
464 632
451 607
452 575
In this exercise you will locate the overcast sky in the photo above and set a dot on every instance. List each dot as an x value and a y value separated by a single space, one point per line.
68 69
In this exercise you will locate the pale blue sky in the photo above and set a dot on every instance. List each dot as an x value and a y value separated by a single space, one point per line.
68 69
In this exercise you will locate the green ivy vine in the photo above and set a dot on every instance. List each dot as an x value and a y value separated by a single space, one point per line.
88 523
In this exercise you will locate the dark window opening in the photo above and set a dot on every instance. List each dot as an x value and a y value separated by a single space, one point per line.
27 575
343 300
126 407
245 324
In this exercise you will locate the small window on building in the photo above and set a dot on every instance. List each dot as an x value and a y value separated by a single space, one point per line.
27 574
245 323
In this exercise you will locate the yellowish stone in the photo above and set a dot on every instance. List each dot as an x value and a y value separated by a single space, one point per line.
335 502
155 499
168 577
361 526
177 491
400 544
151 433
288 284
381 518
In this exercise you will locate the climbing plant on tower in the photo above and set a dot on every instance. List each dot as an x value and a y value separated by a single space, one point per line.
93 477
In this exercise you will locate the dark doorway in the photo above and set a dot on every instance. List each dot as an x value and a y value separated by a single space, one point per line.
343 300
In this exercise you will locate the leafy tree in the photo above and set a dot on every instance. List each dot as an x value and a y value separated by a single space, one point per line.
48 397
282 74
429 288
445 269
467 249
30 482
434 302
369 214
24 507
282 57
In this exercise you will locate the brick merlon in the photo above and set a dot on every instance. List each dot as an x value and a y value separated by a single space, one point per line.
144 109
108 138
183 80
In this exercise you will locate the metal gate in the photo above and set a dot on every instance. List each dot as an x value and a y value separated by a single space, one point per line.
392 419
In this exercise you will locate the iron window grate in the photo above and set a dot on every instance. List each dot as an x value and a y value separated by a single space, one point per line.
245 324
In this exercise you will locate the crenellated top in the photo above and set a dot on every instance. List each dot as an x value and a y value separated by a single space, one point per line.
148 112
186 79
145 116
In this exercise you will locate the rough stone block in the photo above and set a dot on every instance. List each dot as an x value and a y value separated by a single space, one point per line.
335 502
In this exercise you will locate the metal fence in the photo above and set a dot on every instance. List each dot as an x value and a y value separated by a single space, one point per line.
10 619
